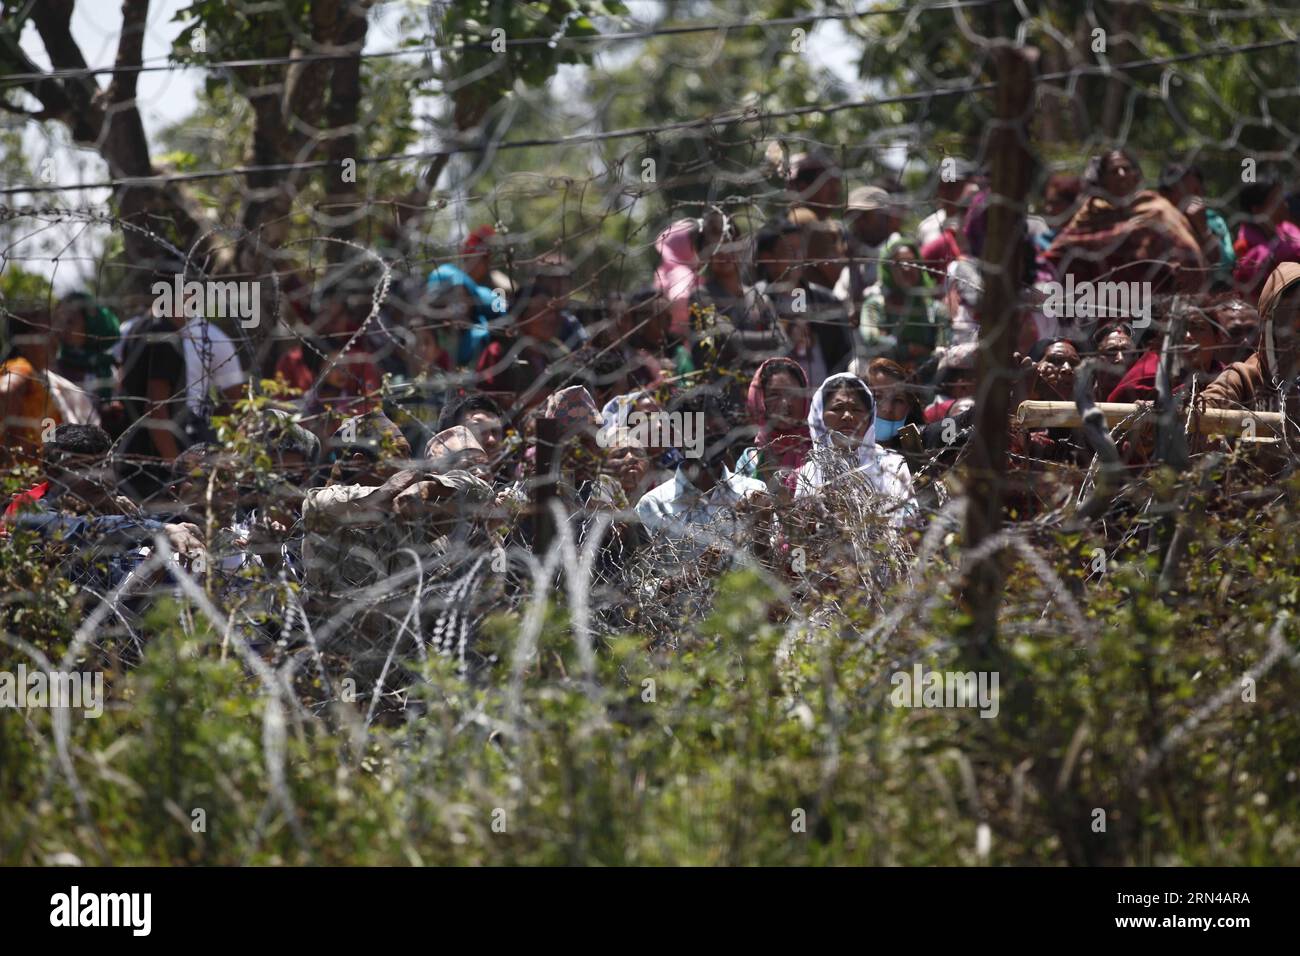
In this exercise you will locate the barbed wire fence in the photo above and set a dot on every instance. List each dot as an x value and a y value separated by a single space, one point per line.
335 285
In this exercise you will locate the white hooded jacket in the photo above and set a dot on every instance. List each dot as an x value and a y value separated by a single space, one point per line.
883 472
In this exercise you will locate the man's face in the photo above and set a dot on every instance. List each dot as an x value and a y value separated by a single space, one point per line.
871 227
628 464
959 383
279 494
788 259
1241 324
1056 370
1205 340
1286 333
718 444
540 321
648 324
1115 349
556 288
487 429
392 457
473 460
85 482
41 344
821 189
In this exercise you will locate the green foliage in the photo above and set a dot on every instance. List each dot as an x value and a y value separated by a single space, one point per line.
753 743
1216 107
19 285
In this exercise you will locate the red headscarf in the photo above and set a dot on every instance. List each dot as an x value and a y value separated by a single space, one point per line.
789 443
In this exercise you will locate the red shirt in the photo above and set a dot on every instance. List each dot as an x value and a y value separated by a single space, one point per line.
29 497
356 373
938 411
1139 382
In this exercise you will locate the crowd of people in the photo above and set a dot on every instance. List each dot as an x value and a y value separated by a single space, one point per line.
389 473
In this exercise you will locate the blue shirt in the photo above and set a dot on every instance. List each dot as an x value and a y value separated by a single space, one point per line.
475 339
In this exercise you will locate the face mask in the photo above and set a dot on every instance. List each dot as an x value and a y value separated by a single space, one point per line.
887 428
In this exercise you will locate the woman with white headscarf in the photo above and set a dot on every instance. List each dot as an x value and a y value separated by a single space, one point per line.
845 457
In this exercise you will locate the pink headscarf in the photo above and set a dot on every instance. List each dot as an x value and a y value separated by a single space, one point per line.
574 408
790 443
678 273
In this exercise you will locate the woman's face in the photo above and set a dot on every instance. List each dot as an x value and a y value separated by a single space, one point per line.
903 267
1121 176
846 416
782 399
891 399
629 465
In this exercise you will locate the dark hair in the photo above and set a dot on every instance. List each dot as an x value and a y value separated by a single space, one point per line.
787 365
82 300
1065 185
641 297
191 460
854 385
771 234
1042 345
1104 329
20 325
1175 172
1255 194
72 440
1228 302
1099 163
462 406
702 400
887 366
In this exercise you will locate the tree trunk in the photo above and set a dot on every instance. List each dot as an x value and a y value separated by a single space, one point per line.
1013 167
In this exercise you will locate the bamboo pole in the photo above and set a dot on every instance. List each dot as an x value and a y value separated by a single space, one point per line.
1209 421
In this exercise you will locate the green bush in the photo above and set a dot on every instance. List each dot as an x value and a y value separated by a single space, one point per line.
756 743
